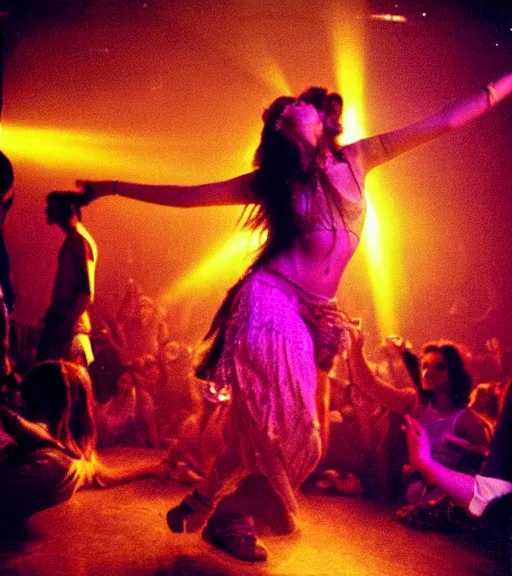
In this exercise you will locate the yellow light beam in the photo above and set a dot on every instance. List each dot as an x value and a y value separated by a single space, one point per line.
89 153
235 254
348 39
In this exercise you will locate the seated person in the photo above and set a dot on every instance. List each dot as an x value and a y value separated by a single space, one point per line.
459 438
488 494
49 454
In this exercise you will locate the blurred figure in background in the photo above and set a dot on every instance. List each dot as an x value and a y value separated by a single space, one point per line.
129 417
67 326
6 199
488 494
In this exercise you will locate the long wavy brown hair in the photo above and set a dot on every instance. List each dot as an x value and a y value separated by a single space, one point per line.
278 163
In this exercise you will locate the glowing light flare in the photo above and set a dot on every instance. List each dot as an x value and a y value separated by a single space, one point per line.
245 161
268 70
348 44
234 255
389 17
352 129
379 272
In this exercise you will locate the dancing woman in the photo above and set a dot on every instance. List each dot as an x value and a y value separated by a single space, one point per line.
276 334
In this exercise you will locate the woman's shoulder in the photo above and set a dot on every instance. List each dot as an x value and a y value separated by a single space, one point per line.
467 414
366 153
469 422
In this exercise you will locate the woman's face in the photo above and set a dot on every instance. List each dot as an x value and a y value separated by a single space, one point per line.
434 372
332 118
302 121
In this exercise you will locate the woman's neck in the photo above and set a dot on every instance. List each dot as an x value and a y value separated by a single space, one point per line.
307 155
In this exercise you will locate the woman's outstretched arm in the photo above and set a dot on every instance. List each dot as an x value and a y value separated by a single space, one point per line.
401 400
379 149
458 486
108 476
228 192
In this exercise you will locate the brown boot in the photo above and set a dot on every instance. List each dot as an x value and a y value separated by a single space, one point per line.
234 533
191 514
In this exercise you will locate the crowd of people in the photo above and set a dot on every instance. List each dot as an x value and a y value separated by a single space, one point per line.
281 393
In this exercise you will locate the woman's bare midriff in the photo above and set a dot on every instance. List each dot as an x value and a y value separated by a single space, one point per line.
317 261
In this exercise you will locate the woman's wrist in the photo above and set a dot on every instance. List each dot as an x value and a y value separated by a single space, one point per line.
499 89
492 94
97 188
425 466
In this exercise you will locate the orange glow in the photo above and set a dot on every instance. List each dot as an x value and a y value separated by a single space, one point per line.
379 269
267 69
248 48
235 254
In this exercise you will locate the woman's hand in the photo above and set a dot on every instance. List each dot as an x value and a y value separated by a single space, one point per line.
418 443
394 346
93 189
356 336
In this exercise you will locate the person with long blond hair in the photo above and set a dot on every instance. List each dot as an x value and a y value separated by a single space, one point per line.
49 453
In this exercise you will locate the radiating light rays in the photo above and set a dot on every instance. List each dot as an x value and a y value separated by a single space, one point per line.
234 255
348 38
380 271
88 154
347 33
54 147
267 69
243 46
125 157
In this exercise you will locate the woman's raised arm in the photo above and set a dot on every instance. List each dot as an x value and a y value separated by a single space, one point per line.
379 149
400 400
228 192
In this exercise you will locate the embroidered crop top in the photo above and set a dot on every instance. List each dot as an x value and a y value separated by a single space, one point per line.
334 202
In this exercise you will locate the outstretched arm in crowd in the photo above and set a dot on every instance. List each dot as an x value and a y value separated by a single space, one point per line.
399 400
458 486
108 476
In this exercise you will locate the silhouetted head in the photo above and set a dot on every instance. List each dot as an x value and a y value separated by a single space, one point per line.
62 207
